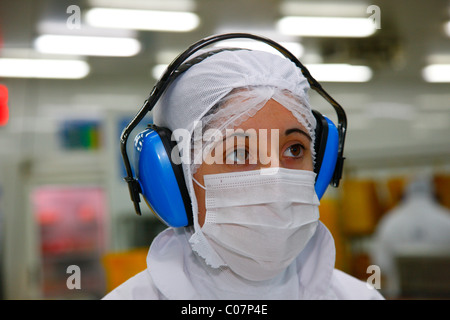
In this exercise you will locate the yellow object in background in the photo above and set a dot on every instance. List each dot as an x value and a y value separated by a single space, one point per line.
360 207
442 185
395 190
329 215
396 187
120 266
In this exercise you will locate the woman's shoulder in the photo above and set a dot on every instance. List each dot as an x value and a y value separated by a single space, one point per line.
347 287
138 287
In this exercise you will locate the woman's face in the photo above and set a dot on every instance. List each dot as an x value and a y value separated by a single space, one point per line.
273 137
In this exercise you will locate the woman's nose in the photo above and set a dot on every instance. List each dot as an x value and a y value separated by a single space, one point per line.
269 150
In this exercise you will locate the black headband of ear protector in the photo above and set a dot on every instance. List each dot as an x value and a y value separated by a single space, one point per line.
177 67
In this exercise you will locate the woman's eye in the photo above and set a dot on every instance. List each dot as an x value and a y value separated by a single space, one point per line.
237 156
294 151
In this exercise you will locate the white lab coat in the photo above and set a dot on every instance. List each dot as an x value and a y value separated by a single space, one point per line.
175 272
418 225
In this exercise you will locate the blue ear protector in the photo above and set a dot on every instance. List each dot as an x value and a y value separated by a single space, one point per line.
326 147
160 179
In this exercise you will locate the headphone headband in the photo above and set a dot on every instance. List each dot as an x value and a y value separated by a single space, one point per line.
179 65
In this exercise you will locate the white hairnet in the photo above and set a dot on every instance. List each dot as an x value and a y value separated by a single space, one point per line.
242 104
261 76
202 86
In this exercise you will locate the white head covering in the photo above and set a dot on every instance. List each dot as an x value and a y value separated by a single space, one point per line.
207 84
202 86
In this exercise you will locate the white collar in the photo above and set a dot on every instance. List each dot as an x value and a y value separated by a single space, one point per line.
178 273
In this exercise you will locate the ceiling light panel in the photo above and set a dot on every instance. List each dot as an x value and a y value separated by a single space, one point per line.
436 73
167 5
339 72
447 28
43 68
323 8
60 27
326 26
90 46
171 21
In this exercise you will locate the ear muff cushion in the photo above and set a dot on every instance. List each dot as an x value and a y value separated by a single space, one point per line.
162 181
326 148
321 133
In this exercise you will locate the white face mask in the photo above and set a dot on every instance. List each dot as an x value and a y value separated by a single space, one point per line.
259 221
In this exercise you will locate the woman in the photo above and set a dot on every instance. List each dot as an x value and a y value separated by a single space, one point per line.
256 232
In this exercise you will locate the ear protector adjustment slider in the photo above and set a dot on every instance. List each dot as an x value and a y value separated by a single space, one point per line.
134 188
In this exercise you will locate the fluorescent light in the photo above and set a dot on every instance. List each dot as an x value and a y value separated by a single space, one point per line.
90 46
60 28
436 73
174 21
294 47
43 68
447 28
158 70
166 56
171 5
339 72
323 8
326 26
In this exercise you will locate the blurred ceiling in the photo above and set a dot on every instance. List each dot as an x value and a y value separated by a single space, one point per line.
411 30
397 107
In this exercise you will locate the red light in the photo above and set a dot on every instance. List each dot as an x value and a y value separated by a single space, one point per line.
4 112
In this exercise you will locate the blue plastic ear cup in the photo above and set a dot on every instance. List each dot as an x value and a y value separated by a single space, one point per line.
326 147
162 181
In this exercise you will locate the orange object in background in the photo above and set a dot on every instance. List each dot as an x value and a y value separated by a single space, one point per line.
442 188
396 188
329 215
361 207
120 266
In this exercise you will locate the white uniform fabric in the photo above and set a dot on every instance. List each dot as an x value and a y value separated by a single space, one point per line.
419 225
175 272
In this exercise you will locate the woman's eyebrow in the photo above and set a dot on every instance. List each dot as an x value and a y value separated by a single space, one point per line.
237 134
289 131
